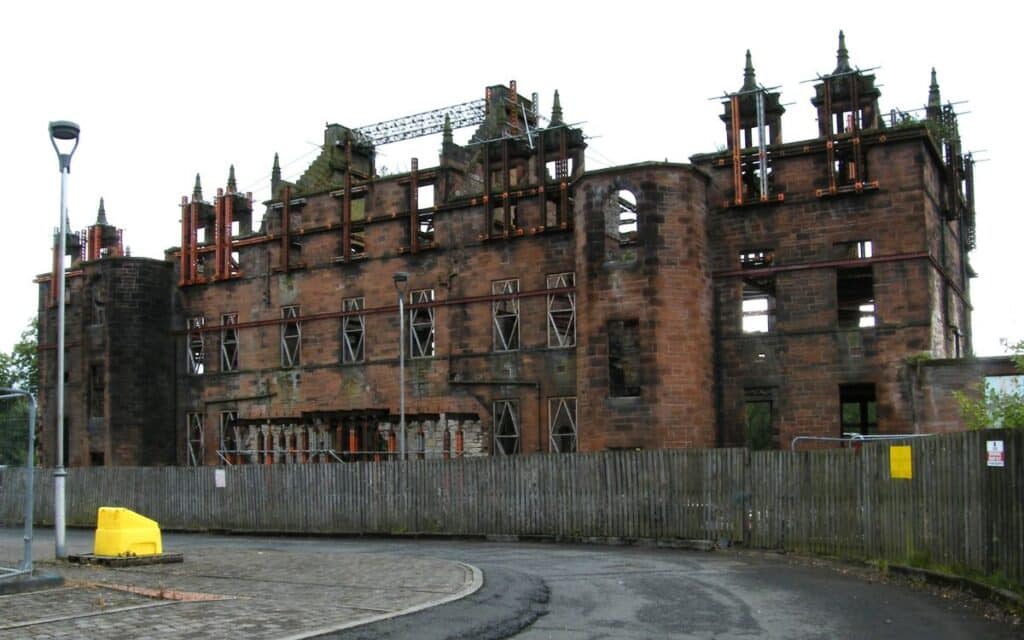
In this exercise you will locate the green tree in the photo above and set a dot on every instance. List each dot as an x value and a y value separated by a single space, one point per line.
18 369
997 407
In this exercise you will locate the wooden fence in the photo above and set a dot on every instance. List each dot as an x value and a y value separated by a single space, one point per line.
955 511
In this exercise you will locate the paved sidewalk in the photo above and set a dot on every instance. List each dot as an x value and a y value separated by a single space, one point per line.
218 592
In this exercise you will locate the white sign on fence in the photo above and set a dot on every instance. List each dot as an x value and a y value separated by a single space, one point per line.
996 454
219 478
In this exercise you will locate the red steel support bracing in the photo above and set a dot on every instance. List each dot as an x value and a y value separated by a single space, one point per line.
855 173
459 443
414 206
286 229
183 259
542 205
489 221
830 151
346 206
218 236
563 177
737 150
506 203
193 255
229 215
92 244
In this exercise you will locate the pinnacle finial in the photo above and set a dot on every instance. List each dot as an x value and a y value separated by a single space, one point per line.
934 107
842 56
197 191
275 176
446 136
556 110
101 214
232 185
934 98
749 79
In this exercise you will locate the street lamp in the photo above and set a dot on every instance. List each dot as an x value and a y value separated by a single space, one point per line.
63 134
401 279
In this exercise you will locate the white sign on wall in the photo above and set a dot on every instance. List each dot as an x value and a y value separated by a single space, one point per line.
996 453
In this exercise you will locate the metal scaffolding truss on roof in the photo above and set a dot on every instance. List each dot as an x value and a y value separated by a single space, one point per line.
467 114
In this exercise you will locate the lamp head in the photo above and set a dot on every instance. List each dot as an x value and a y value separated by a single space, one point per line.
67 132
64 130
400 278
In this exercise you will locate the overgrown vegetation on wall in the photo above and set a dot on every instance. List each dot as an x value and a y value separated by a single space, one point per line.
1001 407
20 370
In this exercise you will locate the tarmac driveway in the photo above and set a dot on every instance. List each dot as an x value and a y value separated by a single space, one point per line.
235 586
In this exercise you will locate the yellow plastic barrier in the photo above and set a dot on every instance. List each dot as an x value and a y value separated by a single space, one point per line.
122 532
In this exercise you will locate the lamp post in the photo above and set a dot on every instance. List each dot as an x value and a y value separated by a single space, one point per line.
63 134
401 279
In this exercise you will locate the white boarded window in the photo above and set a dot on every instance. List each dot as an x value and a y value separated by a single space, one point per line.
505 315
561 310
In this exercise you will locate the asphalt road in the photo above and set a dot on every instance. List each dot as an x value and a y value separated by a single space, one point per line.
534 591
595 592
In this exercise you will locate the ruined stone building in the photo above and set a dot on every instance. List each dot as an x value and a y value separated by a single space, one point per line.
767 290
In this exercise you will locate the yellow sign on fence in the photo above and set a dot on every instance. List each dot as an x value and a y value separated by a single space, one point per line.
900 466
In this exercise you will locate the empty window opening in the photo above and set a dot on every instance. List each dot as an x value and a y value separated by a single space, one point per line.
421 324
562 425
357 240
425 227
505 315
194 439
201 235
498 222
856 249
757 258
497 180
625 216
751 179
357 209
506 427
844 166
759 428
858 409
855 298
228 342
559 169
353 328
425 196
758 305
561 310
228 437
497 219
236 226
624 358
356 228
196 354
235 262
291 337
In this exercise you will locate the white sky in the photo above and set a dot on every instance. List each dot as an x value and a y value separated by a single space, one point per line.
163 91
